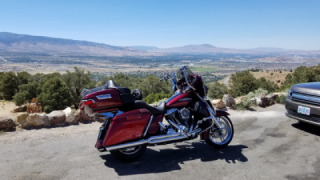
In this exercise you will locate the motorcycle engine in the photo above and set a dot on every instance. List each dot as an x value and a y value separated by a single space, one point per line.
184 113
180 116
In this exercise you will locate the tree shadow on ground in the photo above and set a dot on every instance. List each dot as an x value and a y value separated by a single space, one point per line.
312 129
169 159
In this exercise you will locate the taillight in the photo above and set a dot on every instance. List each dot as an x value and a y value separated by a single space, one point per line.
91 103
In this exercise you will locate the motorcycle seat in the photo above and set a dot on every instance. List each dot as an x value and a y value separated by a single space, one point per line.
112 85
139 104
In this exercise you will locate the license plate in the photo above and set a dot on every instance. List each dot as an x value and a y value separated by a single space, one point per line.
304 110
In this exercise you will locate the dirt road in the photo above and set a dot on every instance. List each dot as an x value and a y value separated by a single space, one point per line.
266 145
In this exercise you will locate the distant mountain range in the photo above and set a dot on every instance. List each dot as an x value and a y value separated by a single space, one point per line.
10 42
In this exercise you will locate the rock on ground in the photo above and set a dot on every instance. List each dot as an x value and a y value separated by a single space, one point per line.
7 124
70 115
218 103
228 100
56 117
36 120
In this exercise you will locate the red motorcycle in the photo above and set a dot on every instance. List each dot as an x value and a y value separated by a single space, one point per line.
131 124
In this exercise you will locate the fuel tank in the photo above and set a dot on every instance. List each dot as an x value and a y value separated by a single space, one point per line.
179 100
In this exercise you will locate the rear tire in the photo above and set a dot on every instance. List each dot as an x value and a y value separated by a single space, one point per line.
129 154
221 138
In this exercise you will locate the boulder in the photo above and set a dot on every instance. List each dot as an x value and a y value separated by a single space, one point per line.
7 124
219 104
272 98
34 106
56 118
36 120
262 101
22 119
70 115
20 109
228 100
215 101
83 117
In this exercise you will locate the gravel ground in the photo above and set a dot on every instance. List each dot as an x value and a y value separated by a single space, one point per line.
266 145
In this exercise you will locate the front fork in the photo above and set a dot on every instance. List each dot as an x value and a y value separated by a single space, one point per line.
213 115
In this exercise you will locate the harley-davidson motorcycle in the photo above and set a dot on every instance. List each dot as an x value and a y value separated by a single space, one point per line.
131 124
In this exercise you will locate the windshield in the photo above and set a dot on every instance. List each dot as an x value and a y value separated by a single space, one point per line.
180 74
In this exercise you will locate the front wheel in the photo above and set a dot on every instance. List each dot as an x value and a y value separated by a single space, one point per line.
129 154
219 138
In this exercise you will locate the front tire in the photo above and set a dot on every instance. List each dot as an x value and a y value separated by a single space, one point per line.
220 138
129 154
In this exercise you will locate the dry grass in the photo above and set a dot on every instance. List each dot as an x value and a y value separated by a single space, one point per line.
6 107
276 76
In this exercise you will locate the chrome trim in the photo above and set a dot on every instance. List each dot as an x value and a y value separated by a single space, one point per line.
104 96
305 98
127 145
175 125
186 99
162 125
156 140
170 111
147 128
177 93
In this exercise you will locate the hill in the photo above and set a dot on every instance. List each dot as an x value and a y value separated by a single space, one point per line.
19 52
10 42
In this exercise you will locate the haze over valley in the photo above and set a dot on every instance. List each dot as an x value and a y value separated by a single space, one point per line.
46 54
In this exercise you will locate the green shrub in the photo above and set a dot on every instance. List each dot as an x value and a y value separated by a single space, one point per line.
246 103
155 97
20 98
242 83
281 99
55 95
243 105
217 90
266 84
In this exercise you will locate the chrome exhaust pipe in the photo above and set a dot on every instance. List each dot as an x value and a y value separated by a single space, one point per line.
127 145
157 139
141 142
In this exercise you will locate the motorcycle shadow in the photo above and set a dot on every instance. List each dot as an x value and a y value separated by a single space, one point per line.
165 160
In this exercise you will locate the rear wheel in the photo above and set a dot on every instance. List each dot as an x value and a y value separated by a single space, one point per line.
219 138
129 154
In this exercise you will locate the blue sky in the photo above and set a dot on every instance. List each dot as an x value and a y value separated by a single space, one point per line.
290 24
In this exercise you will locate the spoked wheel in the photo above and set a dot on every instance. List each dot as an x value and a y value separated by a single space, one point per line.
129 154
221 137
